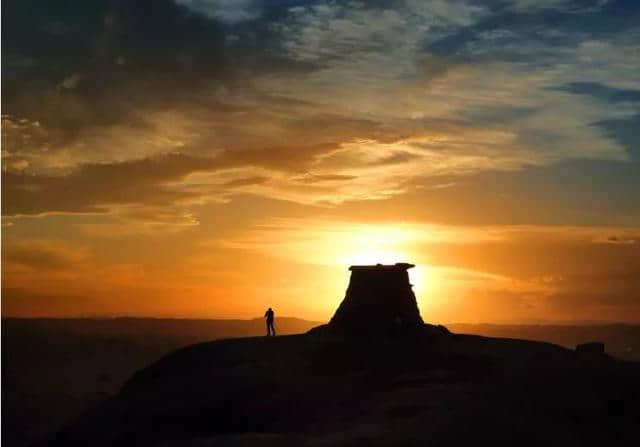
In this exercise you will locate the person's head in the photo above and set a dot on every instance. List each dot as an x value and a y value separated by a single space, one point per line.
269 308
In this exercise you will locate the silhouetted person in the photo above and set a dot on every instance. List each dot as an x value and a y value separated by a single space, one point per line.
269 317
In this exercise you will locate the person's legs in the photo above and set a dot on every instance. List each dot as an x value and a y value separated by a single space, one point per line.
268 328
273 329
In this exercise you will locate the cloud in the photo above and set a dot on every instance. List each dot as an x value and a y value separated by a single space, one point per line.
40 254
70 81
140 221
603 92
246 181
536 5
95 188
622 239
339 89
395 158
228 11
316 178
126 121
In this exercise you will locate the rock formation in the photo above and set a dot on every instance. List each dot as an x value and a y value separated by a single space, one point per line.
379 298
329 387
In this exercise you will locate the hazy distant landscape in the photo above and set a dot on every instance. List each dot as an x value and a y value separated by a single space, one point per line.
621 340
54 369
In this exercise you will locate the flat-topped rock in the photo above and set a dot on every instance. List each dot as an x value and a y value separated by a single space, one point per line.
379 298
378 267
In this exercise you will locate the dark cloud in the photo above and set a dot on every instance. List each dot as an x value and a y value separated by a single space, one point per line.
396 157
626 132
508 33
93 188
42 254
621 240
102 62
293 158
112 80
600 91
121 53
228 12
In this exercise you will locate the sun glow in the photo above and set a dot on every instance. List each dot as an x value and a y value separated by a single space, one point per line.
370 244
373 257
387 245
336 245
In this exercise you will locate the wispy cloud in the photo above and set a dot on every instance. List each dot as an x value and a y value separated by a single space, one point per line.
378 91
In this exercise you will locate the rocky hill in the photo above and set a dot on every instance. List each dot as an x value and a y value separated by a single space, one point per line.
393 383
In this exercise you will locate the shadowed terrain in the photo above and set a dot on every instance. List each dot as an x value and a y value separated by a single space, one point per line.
55 369
422 386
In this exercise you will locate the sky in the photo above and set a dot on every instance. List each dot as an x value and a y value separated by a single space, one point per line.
211 158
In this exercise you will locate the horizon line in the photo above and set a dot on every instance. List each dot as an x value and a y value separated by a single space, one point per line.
139 317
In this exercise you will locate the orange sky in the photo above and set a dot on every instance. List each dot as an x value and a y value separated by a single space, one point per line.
211 159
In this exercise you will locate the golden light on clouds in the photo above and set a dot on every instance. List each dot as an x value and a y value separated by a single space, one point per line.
336 245
264 147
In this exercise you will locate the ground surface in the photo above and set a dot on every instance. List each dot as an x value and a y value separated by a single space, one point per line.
409 388
55 369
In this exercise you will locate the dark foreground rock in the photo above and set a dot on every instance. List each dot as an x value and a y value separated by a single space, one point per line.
376 375
594 347
379 299
421 386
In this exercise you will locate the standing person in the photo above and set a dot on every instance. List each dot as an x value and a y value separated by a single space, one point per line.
269 317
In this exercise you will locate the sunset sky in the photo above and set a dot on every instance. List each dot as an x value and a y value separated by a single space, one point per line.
211 158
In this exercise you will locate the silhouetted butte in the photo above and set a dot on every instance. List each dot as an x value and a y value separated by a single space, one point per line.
333 386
